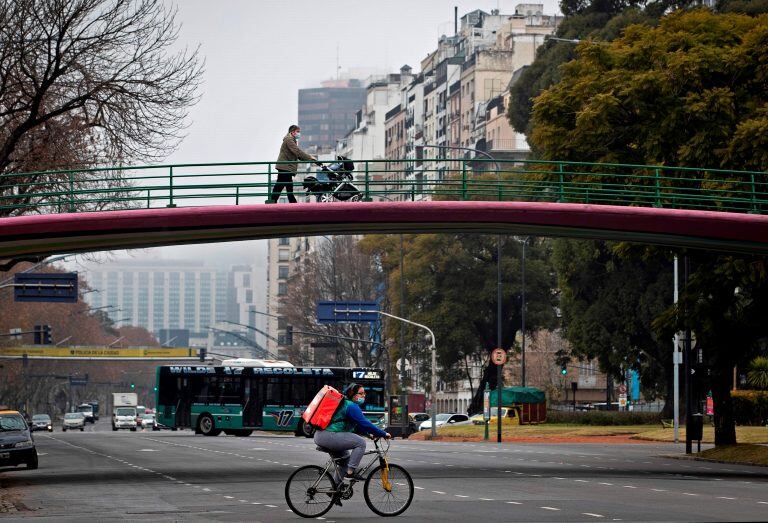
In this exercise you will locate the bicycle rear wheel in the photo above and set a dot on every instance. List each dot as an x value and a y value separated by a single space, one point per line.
309 491
388 493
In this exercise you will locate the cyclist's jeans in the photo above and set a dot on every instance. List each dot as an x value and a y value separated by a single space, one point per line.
342 443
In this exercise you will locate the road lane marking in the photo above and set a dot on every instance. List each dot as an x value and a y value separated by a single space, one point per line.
271 506
659 490
629 486
460 496
438 492
593 515
514 503
485 499
609 484
549 508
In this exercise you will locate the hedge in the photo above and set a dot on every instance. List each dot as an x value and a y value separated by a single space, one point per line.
750 407
603 417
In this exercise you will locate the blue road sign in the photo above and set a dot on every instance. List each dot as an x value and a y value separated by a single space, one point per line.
78 381
56 287
347 311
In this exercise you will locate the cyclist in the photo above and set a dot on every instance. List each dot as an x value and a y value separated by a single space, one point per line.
340 436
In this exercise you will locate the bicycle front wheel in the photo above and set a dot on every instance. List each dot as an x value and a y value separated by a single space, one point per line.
388 492
309 491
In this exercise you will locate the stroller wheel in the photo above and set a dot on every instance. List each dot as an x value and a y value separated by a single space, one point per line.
325 197
356 197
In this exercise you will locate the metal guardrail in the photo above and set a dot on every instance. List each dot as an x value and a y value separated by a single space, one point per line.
111 188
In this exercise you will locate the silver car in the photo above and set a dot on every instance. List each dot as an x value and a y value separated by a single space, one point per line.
73 420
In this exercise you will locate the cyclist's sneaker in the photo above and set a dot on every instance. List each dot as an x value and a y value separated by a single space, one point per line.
353 476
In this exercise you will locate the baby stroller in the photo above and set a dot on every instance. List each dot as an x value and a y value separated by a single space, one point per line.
333 182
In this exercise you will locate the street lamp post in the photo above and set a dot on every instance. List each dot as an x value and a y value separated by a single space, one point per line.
522 316
433 405
499 376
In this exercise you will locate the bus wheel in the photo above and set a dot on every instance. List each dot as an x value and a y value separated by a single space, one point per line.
305 430
207 426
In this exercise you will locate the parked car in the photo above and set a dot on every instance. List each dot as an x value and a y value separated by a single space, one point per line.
446 419
415 419
41 422
73 420
509 415
16 443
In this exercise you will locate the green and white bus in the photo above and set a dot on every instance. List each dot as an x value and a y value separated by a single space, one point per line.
243 395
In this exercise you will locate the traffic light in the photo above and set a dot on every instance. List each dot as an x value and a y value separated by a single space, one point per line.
202 353
47 336
133 385
42 334
564 370
289 334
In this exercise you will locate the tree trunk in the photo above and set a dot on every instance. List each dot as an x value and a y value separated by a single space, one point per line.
668 412
725 427
489 377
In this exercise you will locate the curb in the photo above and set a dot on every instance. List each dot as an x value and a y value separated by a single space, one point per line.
709 460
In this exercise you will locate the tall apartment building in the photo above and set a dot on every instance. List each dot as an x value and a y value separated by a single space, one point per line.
175 294
327 113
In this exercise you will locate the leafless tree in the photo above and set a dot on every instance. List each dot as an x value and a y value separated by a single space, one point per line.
337 271
86 83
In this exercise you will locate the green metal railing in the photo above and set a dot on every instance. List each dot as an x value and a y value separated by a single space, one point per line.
112 188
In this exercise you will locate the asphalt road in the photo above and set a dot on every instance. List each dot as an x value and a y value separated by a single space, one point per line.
177 476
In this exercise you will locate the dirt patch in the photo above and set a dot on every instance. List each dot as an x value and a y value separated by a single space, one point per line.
620 439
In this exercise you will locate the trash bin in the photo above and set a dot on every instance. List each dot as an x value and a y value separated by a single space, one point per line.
696 430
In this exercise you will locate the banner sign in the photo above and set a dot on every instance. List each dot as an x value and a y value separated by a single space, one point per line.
97 352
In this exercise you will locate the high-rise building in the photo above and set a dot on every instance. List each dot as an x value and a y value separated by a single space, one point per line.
328 113
175 294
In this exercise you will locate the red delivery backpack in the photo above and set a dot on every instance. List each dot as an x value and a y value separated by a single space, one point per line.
323 407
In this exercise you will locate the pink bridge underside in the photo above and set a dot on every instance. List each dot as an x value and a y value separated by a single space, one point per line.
108 230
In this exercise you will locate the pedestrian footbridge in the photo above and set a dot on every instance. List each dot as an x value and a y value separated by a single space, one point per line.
134 207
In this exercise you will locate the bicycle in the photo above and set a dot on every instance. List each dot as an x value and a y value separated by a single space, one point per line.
388 489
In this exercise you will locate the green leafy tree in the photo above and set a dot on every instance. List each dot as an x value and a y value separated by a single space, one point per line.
610 294
545 69
451 287
690 92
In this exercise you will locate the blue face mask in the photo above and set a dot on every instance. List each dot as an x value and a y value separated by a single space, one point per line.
297 135
359 400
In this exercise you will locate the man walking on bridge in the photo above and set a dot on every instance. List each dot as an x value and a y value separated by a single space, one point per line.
289 152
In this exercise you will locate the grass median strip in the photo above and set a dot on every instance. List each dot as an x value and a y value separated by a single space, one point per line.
569 431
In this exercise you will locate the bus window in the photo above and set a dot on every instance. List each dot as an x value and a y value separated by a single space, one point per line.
274 391
230 390
374 398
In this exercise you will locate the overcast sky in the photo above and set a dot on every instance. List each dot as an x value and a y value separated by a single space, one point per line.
258 54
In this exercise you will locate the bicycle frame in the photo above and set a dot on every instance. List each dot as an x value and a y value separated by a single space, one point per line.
381 458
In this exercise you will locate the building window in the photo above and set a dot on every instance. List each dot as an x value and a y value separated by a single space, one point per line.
282 289
282 272
283 241
283 255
